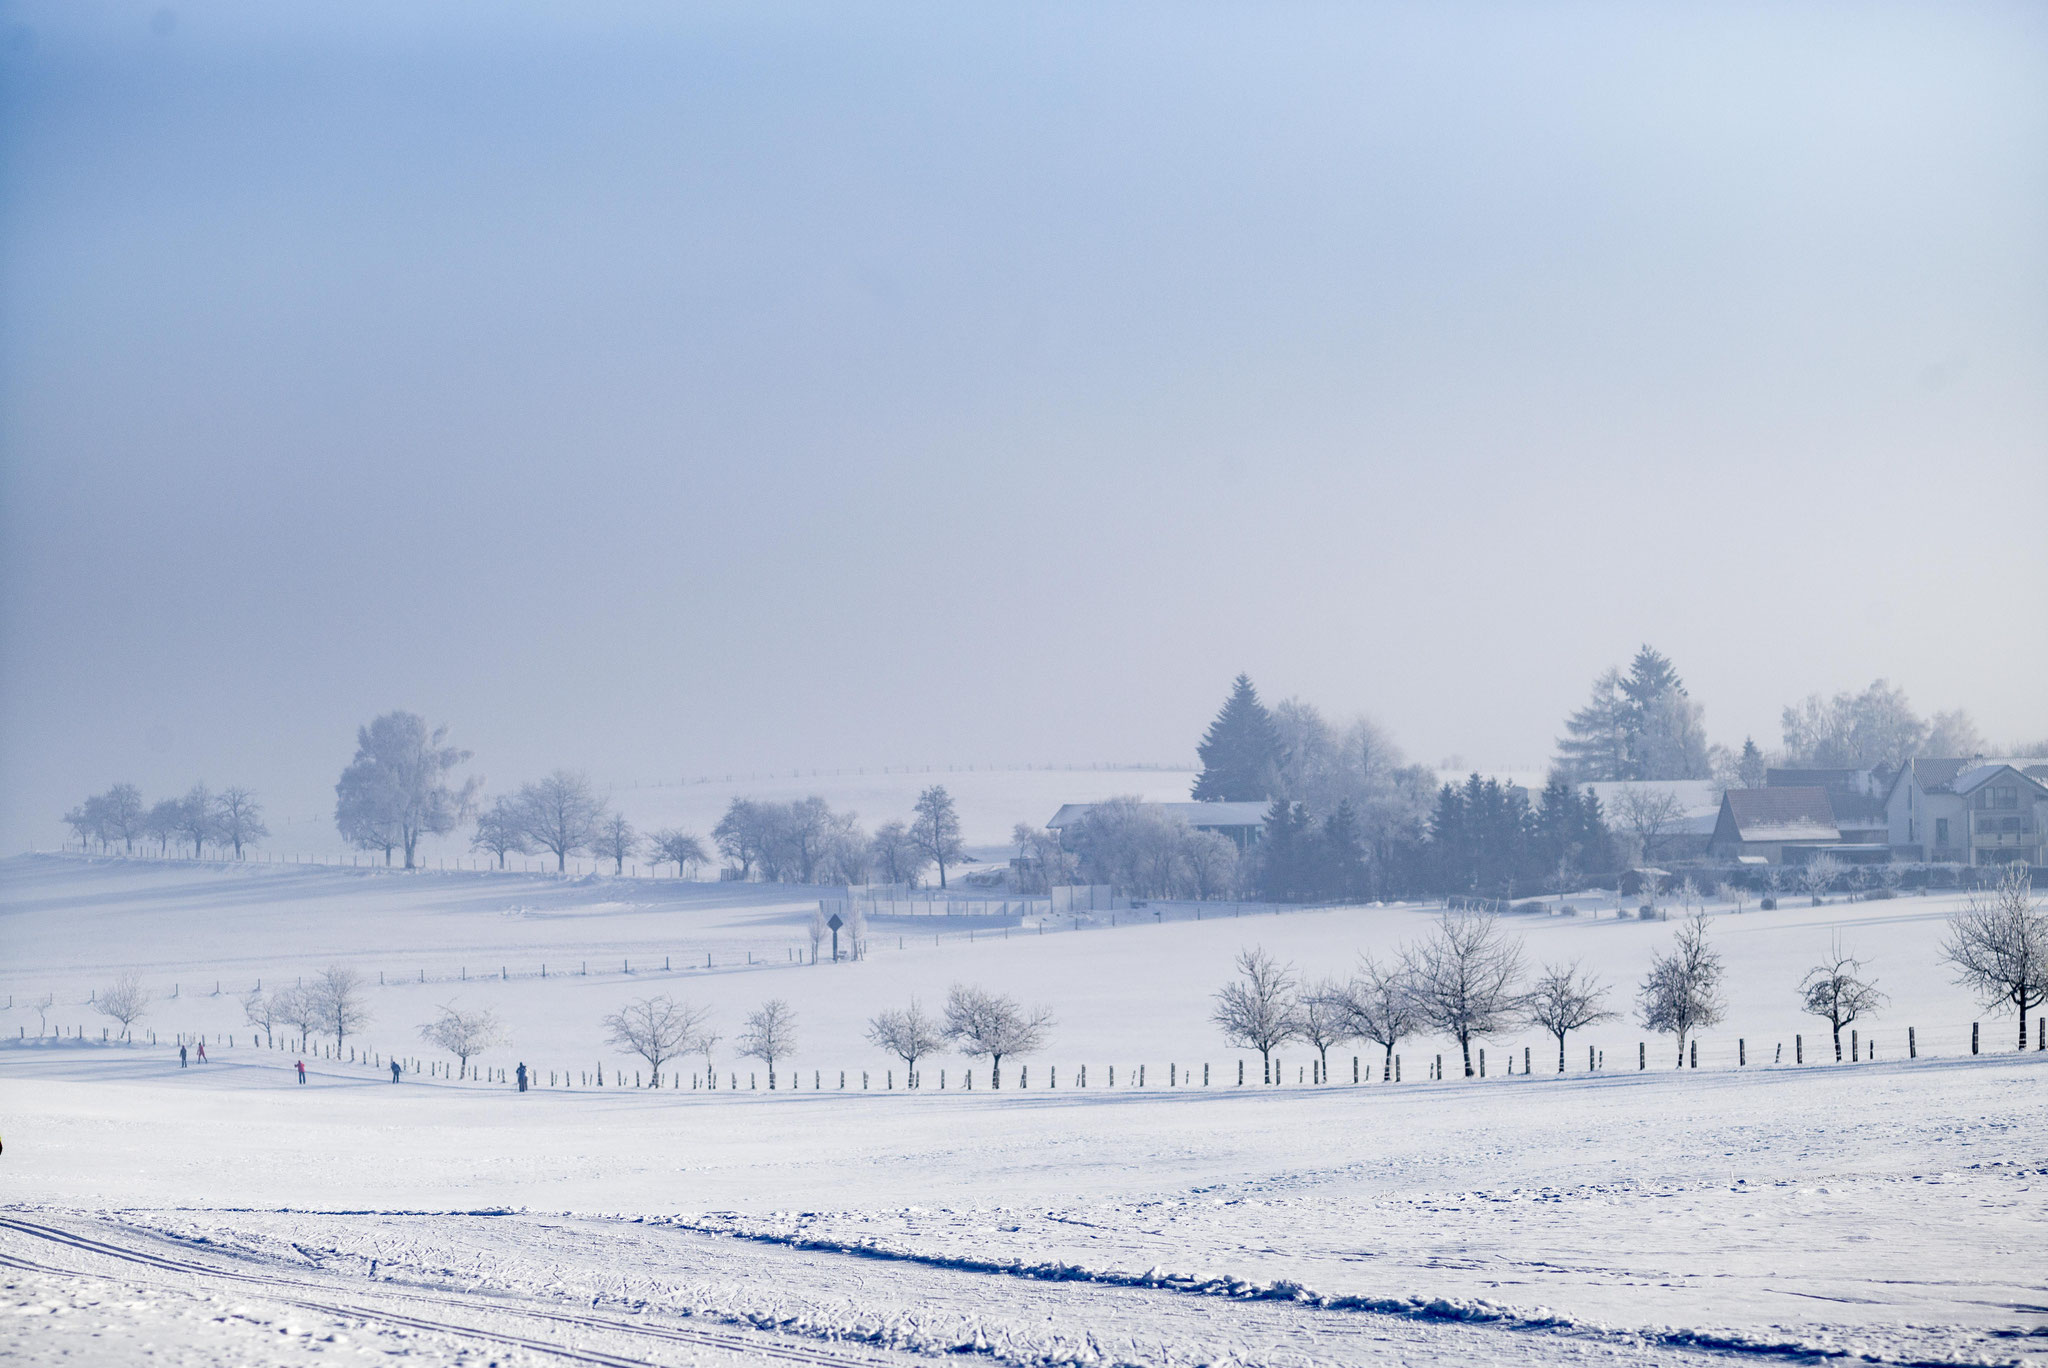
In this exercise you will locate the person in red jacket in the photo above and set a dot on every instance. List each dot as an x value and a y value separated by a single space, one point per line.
302 1071
202 1052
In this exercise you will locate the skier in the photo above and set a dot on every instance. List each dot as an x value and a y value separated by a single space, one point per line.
202 1052
302 1071
181 1057
394 1071
522 1078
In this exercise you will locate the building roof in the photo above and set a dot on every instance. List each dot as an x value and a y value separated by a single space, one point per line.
1976 777
1201 816
1782 814
1939 774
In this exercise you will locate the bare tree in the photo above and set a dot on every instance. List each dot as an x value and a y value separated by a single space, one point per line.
909 1033
195 819
42 1006
679 848
560 815
1321 1019
616 841
500 830
1999 946
125 1000
1650 884
1381 1004
160 823
936 829
1258 1011
1818 875
238 819
1837 990
1683 992
897 858
464 1033
1647 815
1464 976
1736 894
336 1003
396 789
770 1035
985 1023
261 1012
1564 1000
658 1029
296 1007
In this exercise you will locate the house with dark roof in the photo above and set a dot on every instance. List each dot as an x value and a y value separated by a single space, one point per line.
1773 825
1856 795
1969 811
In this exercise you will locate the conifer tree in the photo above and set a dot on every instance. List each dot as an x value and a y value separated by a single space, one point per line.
1750 767
1240 753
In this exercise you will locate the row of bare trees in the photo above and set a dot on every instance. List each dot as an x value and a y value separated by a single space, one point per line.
230 821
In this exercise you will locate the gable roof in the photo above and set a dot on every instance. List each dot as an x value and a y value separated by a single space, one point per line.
1939 775
1781 814
1970 780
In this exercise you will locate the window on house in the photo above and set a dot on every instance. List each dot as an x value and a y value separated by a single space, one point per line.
1941 831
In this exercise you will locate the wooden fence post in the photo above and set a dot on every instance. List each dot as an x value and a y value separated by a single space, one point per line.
1855 1047
1525 1060
1973 1037
1741 1052
1798 1049
1642 1056
1695 1054
1354 1068
1912 1044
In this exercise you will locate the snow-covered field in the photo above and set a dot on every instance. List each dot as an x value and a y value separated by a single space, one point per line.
1888 1211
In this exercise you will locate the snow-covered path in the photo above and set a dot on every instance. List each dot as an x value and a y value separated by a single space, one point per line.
526 1289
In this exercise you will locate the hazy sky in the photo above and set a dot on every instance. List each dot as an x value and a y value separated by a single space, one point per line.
670 388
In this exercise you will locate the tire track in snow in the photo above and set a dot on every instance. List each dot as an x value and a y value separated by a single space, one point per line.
712 1339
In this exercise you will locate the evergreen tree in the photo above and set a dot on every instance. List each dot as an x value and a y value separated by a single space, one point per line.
1638 726
1595 745
1750 767
1340 854
1241 751
1286 852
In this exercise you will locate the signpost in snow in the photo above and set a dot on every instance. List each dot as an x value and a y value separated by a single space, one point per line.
835 924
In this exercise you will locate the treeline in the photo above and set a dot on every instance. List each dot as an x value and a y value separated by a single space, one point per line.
229 822
805 841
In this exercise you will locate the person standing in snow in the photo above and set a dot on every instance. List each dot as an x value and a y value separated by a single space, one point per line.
394 1071
202 1052
302 1071
522 1078
181 1057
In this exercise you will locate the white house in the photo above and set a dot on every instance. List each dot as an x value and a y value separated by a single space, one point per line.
1968 811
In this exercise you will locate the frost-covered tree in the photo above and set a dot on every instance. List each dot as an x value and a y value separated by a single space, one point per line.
1952 733
125 1000
1257 1010
1566 999
1750 769
896 857
1638 726
679 848
616 841
296 1007
658 1029
1683 991
464 1032
1837 991
337 1002
770 1035
1380 1002
260 1011
1999 946
238 819
1874 729
1241 752
984 1023
560 815
160 823
397 788
197 819
1463 975
1819 874
500 831
935 827
910 1033
1321 1020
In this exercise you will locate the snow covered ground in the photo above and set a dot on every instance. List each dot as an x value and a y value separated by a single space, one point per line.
1888 1211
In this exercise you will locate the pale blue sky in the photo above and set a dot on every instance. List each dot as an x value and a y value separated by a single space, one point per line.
671 388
